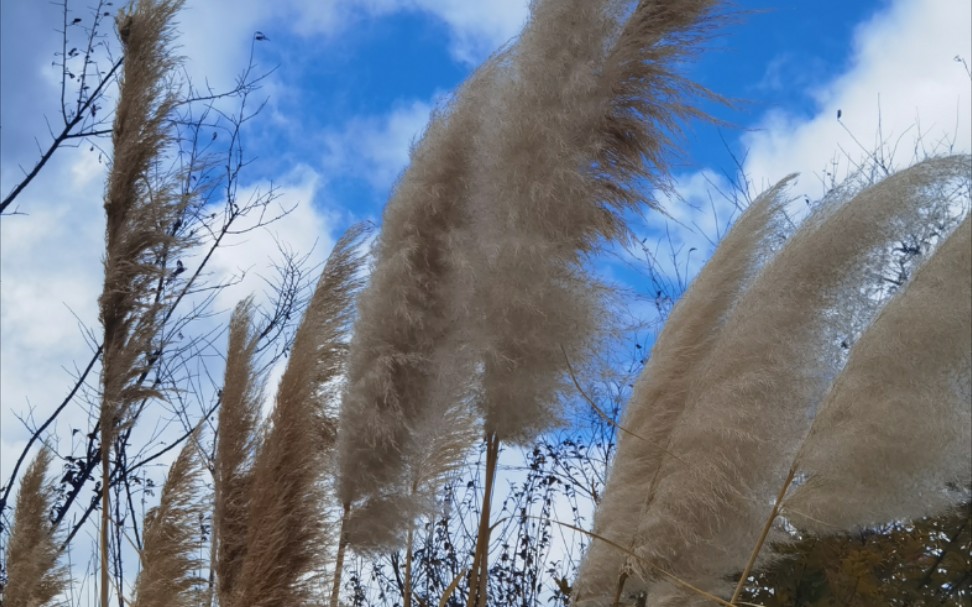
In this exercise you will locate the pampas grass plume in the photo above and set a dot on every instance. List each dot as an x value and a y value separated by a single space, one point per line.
236 445
34 578
169 575
406 363
893 440
751 403
289 522
661 391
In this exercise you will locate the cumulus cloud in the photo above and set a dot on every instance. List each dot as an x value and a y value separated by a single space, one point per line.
304 229
476 29
903 95
675 244
903 91
51 268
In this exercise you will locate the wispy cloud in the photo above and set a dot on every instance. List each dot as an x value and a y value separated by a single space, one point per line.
477 28
376 148
51 268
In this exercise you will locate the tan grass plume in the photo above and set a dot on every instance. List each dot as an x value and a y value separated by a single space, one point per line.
290 524
34 578
406 362
140 213
170 565
236 445
752 401
660 392
579 128
893 439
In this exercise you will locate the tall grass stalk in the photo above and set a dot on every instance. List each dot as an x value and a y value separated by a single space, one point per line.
660 393
750 399
928 322
140 214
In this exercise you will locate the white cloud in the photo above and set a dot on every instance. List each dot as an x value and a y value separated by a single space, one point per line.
305 230
677 244
478 28
216 41
903 89
376 148
50 261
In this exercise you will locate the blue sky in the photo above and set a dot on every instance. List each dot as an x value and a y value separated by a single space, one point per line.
383 71
352 86
395 66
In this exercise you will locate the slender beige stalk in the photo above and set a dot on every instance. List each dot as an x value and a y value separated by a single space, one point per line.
291 510
479 571
235 447
659 396
103 546
451 588
763 534
33 576
750 405
169 575
407 591
139 216
339 559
